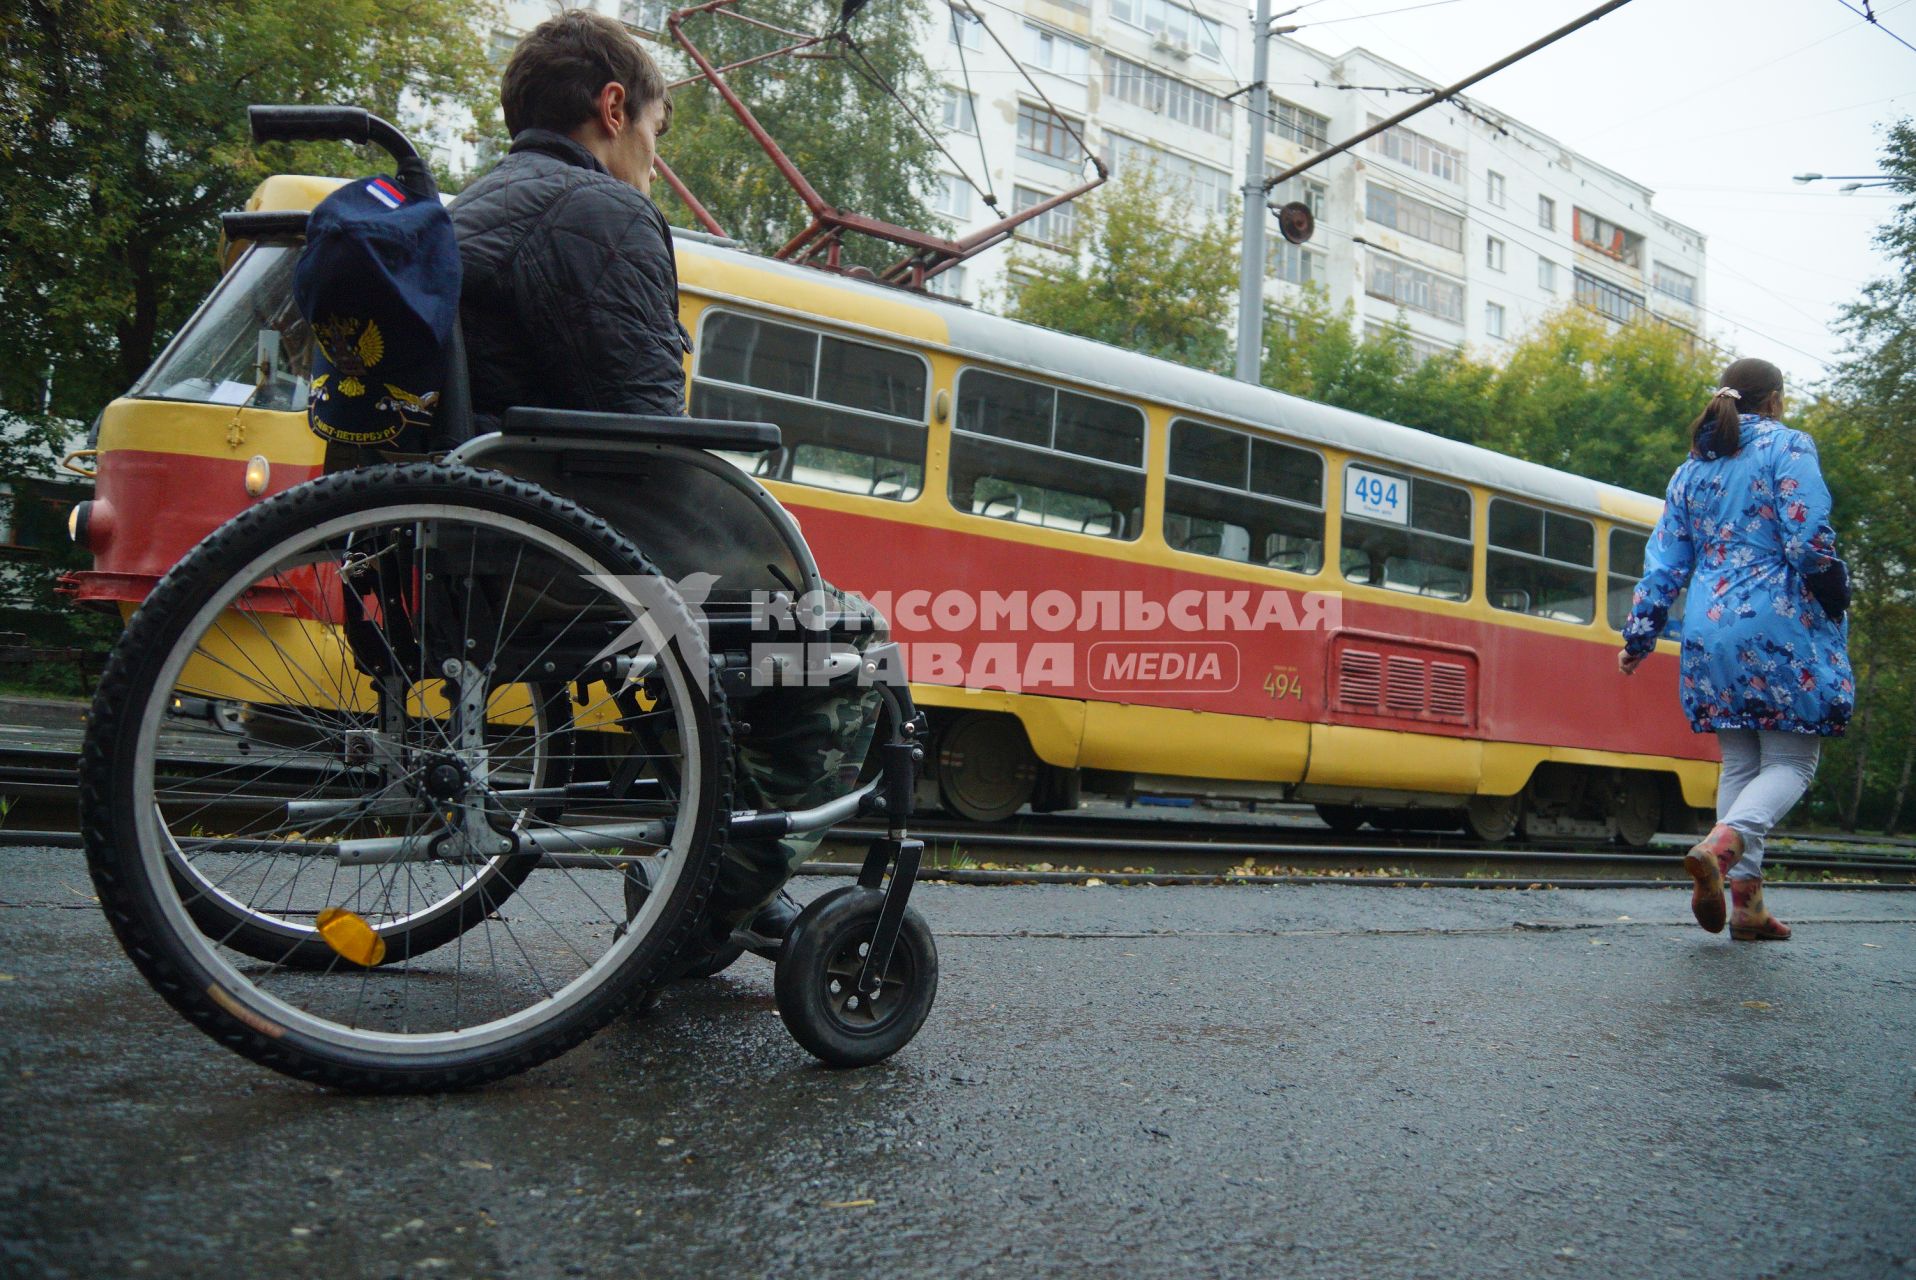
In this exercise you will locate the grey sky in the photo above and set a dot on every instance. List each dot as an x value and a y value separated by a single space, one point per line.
1714 104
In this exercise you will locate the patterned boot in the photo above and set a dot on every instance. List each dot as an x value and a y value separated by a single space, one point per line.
1752 921
1706 862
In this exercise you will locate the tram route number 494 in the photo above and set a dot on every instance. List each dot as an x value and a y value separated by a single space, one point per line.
1375 496
1284 682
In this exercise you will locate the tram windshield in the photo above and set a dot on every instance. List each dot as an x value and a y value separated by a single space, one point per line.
247 345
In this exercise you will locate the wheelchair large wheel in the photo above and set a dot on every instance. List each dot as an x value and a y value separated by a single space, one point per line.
344 789
816 984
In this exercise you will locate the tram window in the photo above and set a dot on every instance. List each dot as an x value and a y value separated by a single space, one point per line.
1626 568
1541 563
1427 552
246 345
851 415
1029 452
1236 497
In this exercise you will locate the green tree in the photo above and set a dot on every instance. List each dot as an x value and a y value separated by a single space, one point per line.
1862 428
1136 273
855 143
1612 404
123 135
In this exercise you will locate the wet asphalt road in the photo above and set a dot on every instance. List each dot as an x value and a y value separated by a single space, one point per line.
1238 1082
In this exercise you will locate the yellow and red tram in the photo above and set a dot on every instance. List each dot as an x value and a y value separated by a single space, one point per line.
1110 572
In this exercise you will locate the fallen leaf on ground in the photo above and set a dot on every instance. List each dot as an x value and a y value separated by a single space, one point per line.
1756 1004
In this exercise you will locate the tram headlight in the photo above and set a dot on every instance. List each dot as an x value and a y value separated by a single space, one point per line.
258 472
90 524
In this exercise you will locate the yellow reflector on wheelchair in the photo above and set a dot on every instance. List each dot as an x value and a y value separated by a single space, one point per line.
351 936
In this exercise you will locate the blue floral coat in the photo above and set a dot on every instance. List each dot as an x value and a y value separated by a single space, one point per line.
1745 533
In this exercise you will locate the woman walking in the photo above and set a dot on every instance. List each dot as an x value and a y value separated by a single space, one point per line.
1765 662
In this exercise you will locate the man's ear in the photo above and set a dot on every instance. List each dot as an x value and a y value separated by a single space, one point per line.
611 104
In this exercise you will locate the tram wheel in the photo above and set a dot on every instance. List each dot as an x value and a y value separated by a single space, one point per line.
1344 819
986 771
1639 810
816 985
1494 819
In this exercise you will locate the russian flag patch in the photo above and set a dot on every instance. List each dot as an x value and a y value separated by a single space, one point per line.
386 193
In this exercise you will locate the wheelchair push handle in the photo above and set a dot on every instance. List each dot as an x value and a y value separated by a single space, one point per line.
327 124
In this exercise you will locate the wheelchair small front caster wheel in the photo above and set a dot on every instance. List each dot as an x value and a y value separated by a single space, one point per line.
816 984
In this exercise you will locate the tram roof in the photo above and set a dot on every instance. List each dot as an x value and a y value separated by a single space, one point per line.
1015 344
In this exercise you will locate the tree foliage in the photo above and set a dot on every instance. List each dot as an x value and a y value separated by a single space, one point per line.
125 136
857 146
1862 423
1134 273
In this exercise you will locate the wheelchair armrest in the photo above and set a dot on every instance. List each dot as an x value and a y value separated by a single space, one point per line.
696 433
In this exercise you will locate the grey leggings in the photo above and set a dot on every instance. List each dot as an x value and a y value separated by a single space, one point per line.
1764 774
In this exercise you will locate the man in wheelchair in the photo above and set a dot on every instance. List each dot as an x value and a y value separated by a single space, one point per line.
570 301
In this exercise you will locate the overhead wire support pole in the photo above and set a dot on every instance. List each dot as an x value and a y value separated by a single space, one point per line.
1443 95
1250 280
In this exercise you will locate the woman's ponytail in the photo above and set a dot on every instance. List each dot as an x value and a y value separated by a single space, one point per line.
1746 388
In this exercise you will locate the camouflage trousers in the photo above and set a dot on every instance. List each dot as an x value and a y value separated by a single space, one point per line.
802 747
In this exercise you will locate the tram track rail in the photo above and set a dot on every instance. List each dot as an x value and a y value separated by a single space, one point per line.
1042 849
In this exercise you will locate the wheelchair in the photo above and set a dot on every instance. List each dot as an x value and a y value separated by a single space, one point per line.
419 773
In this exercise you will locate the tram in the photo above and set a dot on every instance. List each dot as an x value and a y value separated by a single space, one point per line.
1110 574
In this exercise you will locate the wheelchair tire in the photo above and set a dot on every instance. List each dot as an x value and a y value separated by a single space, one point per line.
815 983
526 980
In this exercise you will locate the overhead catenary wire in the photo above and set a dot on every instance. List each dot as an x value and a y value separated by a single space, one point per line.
1870 17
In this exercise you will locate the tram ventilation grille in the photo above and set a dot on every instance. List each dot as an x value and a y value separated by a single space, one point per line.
1359 679
1404 685
1450 690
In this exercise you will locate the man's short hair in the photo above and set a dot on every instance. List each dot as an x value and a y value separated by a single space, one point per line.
553 78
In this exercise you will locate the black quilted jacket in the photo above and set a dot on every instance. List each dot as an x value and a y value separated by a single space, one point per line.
571 293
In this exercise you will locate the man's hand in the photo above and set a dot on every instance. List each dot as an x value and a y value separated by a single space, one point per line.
1628 662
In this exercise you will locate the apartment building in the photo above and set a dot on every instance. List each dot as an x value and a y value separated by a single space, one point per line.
1468 224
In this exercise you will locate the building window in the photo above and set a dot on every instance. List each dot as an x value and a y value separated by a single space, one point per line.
1032 453
1395 280
1413 217
1546 275
1546 213
1421 349
949 283
1154 91
1413 150
851 414
1494 319
1295 263
1680 285
646 15
1054 227
1493 253
1313 194
1405 533
967 31
1232 495
1541 563
961 111
1611 301
1049 138
952 196
1607 238
1180 31
1494 188
501 44
1208 188
1060 55
1306 128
